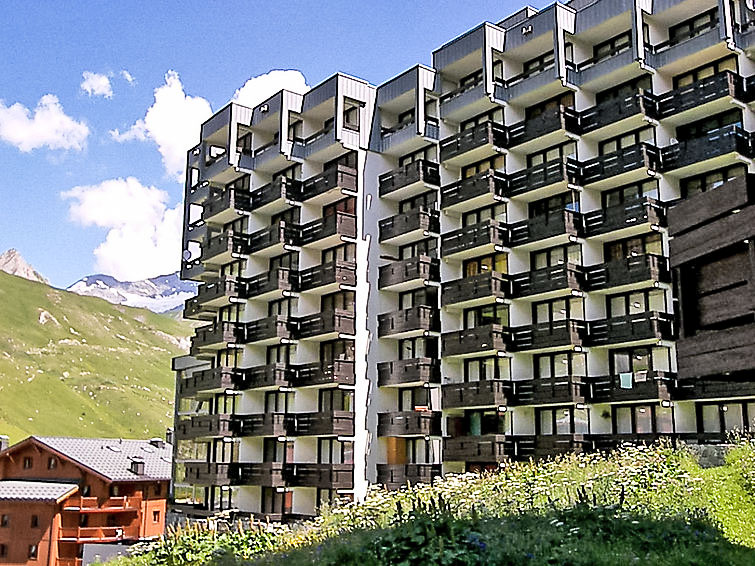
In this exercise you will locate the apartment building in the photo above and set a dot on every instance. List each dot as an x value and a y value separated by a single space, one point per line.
541 243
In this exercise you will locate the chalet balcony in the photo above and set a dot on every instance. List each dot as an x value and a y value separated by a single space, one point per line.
394 476
409 423
704 97
491 338
550 281
226 206
328 277
405 274
324 373
486 237
326 325
637 386
208 473
619 114
216 335
411 179
551 445
208 381
273 240
330 185
487 448
270 330
632 272
623 166
484 288
488 187
419 320
276 196
416 224
329 231
541 180
269 376
264 474
413 371
547 229
485 393
204 426
566 390
626 219
647 326
715 149
322 476
223 248
473 144
559 334
327 423
83 535
263 424
91 504
271 284
546 129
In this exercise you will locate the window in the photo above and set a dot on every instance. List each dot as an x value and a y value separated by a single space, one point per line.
626 141
711 180
34 521
287 306
492 116
480 369
558 255
277 401
32 554
496 163
488 314
707 125
629 193
336 350
158 489
52 463
3 551
342 252
548 312
561 420
560 365
340 300
424 296
332 451
555 153
427 247
293 172
492 212
351 118
155 516
566 100
639 361
689 77
633 247
471 80
538 65
643 419
422 154
555 204
335 400
625 90
347 205
636 302
289 260
693 27
4 520
410 348
612 47
289 216
281 354
427 200
498 262
295 130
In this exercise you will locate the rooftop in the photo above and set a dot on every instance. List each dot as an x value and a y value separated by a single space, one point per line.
15 490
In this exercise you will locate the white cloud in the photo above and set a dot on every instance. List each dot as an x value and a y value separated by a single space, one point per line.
172 123
129 78
260 88
144 234
48 126
96 84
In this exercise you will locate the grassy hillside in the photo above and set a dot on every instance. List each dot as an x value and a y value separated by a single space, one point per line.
80 366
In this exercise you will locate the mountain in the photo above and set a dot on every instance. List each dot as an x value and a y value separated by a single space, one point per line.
12 262
81 366
159 294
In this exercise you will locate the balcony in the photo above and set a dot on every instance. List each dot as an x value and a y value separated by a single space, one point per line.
466 101
218 293
320 146
650 326
705 44
276 196
483 449
488 339
264 424
409 423
540 83
618 114
83 535
225 207
715 149
546 130
548 282
412 372
637 386
269 376
265 474
326 325
411 179
214 380
328 423
484 188
419 320
417 224
486 393
270 330
556 335
330 185
552 445
204 426
632 163
630 273
597 74
270 285
473 144
546 230
273 240
216 336
329 231
328 277
624 220
561 390
704 97
543 180
207 473
222 249
394 476
406 274
196 270
323 373
484 288
110 505
322 476
478 239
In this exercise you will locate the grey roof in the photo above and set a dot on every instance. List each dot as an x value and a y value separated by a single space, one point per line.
112 457
16 490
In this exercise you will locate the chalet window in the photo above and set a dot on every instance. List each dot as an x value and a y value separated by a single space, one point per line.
3 551
689 77
497 163
498 262
428 247
413 398
4 520
491 116
342 252
693 27
481 369
625 90
410 348
155 516
625 141
32 554
555 153
561 420
566 99
724 417
612 47
478 423
158 489
555 204
560 365
629 193
488 314
492 212
711 180
34 523
558 255
708 125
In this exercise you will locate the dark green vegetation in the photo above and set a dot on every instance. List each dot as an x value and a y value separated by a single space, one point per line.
80 366
638 505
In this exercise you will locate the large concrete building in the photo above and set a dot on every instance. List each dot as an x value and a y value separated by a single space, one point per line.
474 261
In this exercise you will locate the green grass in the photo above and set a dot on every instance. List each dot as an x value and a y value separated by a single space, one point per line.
89 369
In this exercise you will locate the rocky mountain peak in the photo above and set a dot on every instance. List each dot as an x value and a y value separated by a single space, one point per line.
14 263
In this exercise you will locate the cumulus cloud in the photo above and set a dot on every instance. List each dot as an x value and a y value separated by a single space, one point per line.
260 88
144 233
128 77
172 123
96 84
47 126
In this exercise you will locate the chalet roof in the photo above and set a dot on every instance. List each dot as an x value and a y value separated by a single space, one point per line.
113 457
17 490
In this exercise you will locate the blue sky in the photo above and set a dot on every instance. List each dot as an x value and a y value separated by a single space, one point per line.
213 48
